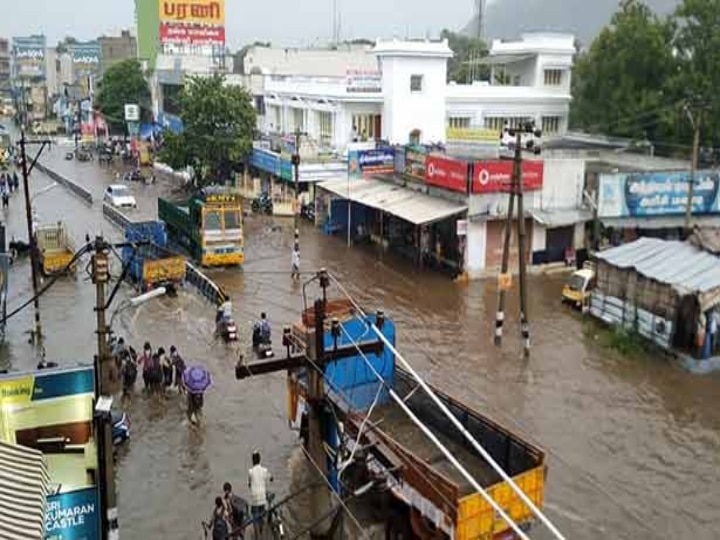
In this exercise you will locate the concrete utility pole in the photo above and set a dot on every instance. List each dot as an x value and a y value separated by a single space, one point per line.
100 277
500 315
36 334
695 122
516 190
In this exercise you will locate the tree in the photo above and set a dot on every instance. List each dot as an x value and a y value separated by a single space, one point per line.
123 83
466 50
620 84
697 45
219 127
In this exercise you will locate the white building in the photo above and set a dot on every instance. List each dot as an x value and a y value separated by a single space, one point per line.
395 87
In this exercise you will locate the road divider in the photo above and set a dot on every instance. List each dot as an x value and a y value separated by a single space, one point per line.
115 216
206 286
76 189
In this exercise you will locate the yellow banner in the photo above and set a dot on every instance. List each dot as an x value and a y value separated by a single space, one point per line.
472 135
207 12
16 391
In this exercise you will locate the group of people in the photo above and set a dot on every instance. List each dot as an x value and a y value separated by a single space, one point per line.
228 516
160 371
8 184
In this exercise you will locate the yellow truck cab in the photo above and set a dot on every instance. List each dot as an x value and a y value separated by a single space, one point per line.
579 286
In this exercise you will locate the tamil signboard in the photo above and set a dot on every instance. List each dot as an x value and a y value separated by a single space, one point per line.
199 22
28 57
472 135
52 412
85 57
265 160
366 163
189 34
647 194
359 81
448 173
496 176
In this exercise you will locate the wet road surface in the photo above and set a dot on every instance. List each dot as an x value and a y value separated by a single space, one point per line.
634 444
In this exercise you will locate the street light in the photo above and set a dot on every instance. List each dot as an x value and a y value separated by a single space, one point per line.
110 526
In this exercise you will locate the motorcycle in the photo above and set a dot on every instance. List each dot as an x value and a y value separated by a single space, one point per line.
263 204
227 329
308 212
134 176
262 346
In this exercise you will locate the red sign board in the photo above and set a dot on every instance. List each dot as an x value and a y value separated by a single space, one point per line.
496 176
446 173
192 34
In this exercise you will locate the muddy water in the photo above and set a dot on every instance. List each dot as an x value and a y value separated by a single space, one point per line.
633 442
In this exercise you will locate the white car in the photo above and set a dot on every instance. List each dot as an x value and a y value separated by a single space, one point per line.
120 196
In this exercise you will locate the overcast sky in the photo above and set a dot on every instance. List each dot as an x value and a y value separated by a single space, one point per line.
286 22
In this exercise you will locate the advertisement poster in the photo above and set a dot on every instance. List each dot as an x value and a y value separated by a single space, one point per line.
473 135
53 412
447 173
28 55
366 163
496 176
202 12
415 162
192 34
85 57
399 159
646 194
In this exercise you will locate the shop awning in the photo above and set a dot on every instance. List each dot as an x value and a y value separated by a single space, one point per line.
402 202
561 218
24 483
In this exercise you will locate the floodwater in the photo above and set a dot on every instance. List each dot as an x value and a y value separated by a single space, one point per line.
633 443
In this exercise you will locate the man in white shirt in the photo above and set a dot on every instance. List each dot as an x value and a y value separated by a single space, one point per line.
258 478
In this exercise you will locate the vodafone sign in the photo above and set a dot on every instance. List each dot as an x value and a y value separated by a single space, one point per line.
447 173
496 176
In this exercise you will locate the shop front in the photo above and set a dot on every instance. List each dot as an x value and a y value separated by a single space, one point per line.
402 220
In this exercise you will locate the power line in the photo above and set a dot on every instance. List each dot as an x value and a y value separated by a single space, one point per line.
466 434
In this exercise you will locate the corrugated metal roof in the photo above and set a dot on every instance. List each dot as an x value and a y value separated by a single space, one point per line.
24 484
399 201
561 218
685 267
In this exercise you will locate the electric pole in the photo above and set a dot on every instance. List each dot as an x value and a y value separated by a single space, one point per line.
695 122
100 277
516 190
500 315
296 165
36 333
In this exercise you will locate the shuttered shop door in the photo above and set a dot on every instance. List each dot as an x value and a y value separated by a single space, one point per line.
558 240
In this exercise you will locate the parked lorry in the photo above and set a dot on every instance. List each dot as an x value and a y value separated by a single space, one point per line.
152 264
55 249
209 226
359 417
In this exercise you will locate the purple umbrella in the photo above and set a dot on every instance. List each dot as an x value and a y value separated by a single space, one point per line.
197 379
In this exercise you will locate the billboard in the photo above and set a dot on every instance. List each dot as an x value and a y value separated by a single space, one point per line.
52 411
415 157
647 194
192 34
496 176
202 12
265 161
444 172
365 163
28 54
85 57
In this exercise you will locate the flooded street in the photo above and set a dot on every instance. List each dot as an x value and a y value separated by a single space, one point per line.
633 443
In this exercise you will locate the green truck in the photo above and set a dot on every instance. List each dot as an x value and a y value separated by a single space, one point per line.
209 226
